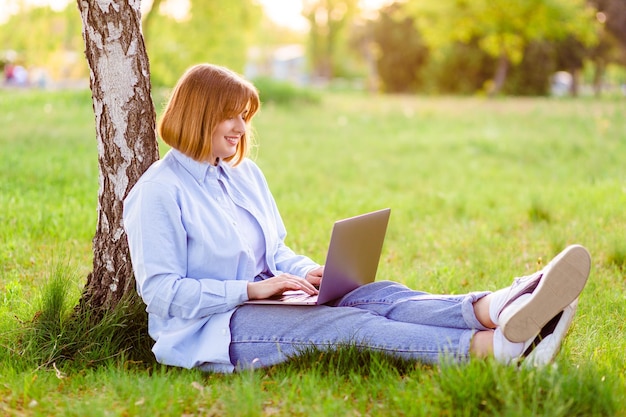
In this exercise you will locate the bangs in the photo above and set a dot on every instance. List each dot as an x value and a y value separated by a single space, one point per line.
237 100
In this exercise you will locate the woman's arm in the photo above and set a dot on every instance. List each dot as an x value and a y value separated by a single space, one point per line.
159 251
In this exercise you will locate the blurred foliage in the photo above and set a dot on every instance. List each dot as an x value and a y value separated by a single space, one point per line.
330 22
214 31
511 47
401 52
531 77
447 46
614 13
459 68
281 92
41 37
503 28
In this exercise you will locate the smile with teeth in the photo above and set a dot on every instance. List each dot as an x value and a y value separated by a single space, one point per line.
233 140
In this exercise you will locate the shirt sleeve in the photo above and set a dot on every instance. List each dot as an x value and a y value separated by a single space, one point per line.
158 247
288 261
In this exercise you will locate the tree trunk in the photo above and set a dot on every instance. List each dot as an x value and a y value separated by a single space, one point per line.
125 132
501 73
575 87
598 77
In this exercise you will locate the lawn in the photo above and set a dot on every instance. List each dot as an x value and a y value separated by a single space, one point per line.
481 191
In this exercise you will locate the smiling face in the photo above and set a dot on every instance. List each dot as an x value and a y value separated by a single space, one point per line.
227 136
209 114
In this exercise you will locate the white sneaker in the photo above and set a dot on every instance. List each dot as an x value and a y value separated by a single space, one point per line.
560 283
548 342
504 297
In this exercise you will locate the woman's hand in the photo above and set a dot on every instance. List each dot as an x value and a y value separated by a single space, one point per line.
277 285
315 276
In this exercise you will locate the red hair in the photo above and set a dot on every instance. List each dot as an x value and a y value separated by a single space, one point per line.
205 96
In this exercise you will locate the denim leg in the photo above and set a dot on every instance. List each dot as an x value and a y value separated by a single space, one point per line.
400 303
386 317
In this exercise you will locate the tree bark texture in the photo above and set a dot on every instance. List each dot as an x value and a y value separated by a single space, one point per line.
125 132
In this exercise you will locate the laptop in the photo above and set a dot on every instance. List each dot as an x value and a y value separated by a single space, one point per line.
352 260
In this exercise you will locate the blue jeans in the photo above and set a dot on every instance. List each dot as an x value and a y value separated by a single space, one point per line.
383 316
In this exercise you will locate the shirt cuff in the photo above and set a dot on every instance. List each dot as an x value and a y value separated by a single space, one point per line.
237 291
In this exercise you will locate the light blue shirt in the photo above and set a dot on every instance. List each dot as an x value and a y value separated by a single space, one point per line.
191 258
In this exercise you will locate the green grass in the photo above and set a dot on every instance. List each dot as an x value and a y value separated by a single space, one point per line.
480 190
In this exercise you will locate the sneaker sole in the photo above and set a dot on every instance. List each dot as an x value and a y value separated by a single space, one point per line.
547 349
559 286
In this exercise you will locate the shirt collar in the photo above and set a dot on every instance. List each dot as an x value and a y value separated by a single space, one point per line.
199 170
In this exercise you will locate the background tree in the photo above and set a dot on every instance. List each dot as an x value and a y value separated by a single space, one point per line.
612 45
125 133
502 28
459 68
614 16
329 21
213 31
400 50
570 56
532 76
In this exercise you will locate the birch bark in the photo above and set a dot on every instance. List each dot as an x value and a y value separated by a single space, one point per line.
125 133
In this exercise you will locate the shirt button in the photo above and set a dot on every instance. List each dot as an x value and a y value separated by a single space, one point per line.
224 332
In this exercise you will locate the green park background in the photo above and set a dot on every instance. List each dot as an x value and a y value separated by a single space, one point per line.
448 112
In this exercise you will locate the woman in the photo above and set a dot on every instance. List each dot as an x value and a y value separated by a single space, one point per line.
205 236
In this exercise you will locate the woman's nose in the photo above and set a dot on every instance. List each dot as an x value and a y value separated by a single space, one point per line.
240 126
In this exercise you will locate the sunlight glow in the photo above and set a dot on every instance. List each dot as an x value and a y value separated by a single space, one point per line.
288 13
285 13
10 7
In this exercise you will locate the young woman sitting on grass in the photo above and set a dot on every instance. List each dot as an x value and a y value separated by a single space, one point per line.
205 236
